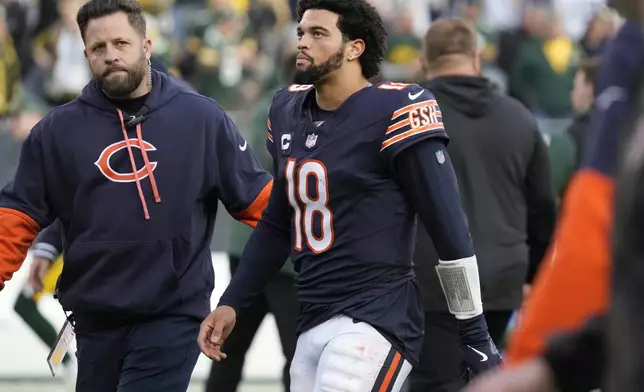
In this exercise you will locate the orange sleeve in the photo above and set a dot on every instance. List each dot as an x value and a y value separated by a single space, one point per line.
573 283
253 213
17 233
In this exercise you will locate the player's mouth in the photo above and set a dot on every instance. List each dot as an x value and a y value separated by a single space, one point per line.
115 72
302 60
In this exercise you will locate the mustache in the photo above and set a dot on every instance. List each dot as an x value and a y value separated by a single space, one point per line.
114 69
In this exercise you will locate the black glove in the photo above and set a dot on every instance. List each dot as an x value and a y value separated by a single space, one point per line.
479 352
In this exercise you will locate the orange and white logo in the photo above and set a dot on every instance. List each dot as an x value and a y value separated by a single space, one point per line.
103 162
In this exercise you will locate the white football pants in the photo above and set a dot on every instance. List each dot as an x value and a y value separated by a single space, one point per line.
342 356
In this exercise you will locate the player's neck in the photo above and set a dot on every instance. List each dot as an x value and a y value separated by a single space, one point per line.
453 71
331 94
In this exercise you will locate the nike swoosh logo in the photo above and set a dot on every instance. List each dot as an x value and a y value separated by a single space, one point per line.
414 96
479 353
243 148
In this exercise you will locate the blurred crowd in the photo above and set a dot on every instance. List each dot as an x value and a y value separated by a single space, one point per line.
239 51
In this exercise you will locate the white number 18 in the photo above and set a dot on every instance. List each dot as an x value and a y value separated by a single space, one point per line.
306 207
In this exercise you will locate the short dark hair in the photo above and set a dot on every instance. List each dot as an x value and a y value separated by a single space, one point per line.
95 9
590 69
357 20
448 37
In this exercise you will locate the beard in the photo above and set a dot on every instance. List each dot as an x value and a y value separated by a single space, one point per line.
315 74
123 84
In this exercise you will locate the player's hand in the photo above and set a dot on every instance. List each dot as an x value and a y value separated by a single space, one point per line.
37 270
479 351
534 376
214 331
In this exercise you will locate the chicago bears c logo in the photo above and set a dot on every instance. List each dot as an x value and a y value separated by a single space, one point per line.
103 162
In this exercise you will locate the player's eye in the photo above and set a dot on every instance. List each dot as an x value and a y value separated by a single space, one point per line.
121 43
318 34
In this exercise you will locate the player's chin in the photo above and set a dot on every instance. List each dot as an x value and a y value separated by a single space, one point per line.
302 67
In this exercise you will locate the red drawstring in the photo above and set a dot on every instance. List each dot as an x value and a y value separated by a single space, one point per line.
148 167
133 164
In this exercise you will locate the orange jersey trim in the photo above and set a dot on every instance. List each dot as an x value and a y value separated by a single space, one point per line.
384 387
17 233
253 213
573 283
413 106
410 133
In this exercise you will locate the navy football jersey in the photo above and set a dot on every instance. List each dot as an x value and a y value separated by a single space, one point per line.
352 228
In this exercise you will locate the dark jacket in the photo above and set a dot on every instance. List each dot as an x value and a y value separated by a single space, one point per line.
135 245
503 171
566 151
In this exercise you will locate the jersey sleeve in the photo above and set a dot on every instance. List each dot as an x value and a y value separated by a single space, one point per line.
241 183
426 175
267 249
416 117
49 243
24 207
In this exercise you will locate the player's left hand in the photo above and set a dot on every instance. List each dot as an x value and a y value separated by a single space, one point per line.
214 331
534 376
479 351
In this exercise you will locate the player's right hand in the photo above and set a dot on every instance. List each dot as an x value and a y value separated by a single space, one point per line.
533 376
37 271
214 331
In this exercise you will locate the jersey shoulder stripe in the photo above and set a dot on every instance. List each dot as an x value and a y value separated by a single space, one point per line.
415 113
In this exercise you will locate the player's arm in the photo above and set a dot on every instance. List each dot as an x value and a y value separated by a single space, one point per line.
240 182
415 146
541 205
24 207
268 247
49 243
573 283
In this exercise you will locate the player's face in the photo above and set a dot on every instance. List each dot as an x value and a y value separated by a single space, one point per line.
321 49
117 54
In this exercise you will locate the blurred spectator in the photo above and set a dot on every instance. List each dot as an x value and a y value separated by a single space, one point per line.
9 68
14 129
156 7
62 70
419 10
487 44
19 19
222 56
403 49
161 44
544 70
567 149
600 29
575 15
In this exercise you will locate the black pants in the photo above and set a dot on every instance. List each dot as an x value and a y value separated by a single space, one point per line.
441 367
280 299
158 355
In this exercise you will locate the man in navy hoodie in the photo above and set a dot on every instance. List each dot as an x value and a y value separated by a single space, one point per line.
134 169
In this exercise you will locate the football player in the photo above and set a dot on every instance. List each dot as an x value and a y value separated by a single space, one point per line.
353 165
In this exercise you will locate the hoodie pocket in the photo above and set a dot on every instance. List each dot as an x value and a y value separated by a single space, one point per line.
120 277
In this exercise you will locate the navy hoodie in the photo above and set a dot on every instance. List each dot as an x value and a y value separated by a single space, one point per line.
136 242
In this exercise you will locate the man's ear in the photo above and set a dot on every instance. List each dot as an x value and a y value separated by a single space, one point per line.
147 48
355 49
424 66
